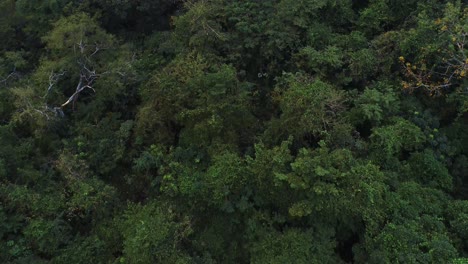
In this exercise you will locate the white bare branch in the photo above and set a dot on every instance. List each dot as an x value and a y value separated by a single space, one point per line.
53 79
13 74
87 72
87 78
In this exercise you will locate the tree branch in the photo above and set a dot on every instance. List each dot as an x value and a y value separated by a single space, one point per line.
11 75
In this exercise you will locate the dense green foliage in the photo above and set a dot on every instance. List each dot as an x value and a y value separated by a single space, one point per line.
228 131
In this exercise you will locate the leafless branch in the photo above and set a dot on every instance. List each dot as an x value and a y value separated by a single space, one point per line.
87 78
53 79
9 76
87 73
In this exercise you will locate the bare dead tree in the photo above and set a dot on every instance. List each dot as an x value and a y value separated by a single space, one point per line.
86 81
53 79
87 76
46 111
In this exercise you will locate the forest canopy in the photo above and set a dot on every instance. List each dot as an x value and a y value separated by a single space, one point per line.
229 131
